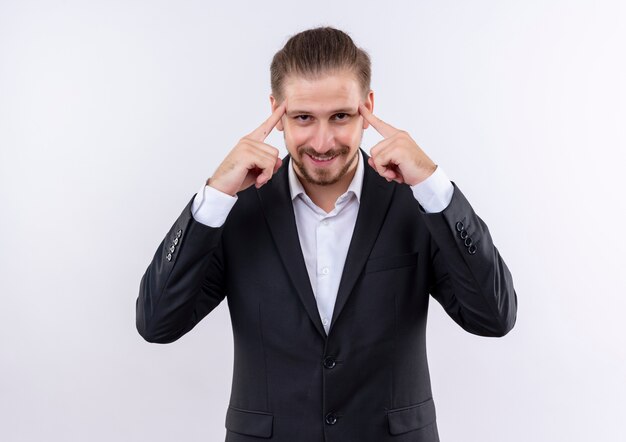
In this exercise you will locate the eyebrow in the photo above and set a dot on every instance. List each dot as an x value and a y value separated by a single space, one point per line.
345 110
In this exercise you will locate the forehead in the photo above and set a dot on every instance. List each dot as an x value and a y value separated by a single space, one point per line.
322 95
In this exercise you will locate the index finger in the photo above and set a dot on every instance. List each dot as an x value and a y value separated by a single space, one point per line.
261 132
385 129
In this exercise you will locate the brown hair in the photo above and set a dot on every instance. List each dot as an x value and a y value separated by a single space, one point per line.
315 52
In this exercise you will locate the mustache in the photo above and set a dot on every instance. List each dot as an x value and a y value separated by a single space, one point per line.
329 154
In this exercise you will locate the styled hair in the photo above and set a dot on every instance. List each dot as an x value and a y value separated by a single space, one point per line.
316 52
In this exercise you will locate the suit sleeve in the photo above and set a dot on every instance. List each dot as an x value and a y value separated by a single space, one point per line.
469 278
184 281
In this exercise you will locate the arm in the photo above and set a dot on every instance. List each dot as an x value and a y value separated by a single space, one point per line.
184 281
469 277
478 294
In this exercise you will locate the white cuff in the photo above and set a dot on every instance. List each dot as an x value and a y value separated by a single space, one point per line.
211 206
435 192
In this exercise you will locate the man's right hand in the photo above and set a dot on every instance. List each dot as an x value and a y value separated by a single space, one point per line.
251 161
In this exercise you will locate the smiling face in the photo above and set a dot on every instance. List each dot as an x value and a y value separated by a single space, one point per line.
323 128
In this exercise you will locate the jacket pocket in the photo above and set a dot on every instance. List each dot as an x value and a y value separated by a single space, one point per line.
390 262
248 422
413 417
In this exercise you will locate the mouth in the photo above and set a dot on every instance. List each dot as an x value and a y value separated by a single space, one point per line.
321 161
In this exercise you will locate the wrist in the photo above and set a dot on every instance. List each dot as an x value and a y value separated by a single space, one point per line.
214 184
429 172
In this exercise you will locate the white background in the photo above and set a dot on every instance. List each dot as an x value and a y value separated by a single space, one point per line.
113 113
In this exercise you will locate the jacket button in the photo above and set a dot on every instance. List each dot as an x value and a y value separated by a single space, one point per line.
329 362
179 233
463 234
468 241
459 226
331 419
169 256
471 249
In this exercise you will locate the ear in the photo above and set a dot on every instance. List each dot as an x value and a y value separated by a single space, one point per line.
369 104
274 104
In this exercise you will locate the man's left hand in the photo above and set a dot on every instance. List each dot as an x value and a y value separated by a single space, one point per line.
397 157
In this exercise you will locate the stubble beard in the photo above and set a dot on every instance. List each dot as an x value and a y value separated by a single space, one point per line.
322 176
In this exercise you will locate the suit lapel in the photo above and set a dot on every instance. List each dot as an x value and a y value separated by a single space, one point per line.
375 198
278 208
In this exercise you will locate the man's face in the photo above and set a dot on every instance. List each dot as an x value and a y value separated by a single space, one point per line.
322 125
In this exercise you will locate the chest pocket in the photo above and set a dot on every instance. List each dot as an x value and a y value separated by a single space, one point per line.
391 262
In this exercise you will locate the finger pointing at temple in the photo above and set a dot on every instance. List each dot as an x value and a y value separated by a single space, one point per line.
261 132
251 161
385 129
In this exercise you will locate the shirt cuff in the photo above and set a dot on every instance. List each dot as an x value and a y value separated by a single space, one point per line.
435 192
211 206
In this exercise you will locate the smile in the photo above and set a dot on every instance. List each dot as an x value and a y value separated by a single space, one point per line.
318 160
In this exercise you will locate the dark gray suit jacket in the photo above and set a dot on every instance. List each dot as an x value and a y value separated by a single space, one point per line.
368 380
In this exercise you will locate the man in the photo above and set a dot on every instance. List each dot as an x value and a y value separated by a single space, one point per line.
327 262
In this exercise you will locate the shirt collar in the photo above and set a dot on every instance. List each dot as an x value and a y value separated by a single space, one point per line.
295 186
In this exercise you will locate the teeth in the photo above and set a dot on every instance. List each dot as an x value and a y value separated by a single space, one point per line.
321 159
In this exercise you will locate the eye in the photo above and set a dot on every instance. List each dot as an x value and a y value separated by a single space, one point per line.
297 117
344 114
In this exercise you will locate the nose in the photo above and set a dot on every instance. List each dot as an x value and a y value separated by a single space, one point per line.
323 139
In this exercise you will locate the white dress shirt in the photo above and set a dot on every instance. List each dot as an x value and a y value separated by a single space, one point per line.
324 237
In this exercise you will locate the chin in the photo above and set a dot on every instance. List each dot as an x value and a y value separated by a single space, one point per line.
322 176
